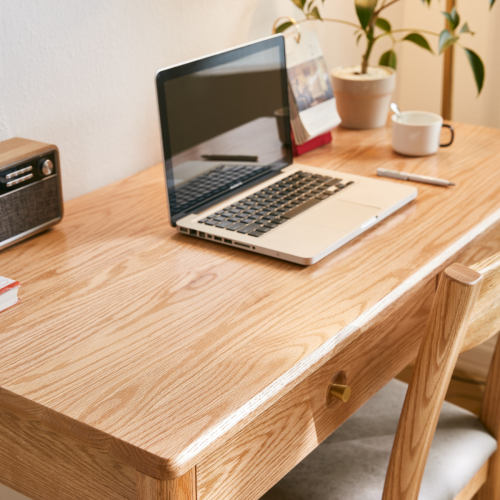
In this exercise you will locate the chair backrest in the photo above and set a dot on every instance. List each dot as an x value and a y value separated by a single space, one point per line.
465 313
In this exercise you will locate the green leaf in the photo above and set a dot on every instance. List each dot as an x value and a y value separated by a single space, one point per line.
419 40
491 3
283 27
358 38
446 39
466 29
315 14
364 10
299 3
383 24
388 59
453 18
477 68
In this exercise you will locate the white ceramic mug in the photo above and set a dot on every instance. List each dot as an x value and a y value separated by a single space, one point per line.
420 136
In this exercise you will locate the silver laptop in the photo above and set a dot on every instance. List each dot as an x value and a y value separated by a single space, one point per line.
229 170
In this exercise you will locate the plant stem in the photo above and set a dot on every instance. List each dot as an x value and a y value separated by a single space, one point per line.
427 32
332 21
384 6
369 46
389 33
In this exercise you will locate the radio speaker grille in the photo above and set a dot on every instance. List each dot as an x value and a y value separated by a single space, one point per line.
29 207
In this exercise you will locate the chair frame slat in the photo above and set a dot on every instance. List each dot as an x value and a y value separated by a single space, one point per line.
456 295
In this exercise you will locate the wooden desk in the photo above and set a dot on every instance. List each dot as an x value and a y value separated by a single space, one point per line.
146 364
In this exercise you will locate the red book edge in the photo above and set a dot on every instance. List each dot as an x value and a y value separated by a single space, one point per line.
10 286
315 142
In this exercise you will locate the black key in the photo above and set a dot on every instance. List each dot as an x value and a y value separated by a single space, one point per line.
349 183
268 217
242 207
234 210
219 212
254 217
248 229
301 208
277 213
227 214
202 221
271 225
262 212
332 182
321 197
234 219
211 222
279 221
255 233
240 216
225 223
247 221
219 219
263 229
235 227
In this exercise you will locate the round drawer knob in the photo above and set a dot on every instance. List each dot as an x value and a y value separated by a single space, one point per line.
46 167
341 392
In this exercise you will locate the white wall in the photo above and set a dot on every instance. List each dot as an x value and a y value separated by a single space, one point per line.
467 107
81 74
421 74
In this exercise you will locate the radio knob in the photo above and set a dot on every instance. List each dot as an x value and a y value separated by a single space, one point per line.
46 167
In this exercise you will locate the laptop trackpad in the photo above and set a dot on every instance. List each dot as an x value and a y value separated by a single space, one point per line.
343 215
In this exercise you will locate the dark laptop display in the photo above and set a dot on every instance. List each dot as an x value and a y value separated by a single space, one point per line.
224 124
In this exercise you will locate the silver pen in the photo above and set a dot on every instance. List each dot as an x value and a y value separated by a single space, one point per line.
406 176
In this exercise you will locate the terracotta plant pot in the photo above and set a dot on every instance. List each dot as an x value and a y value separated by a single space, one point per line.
363 100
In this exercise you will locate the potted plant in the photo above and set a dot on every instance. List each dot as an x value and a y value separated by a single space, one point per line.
363 91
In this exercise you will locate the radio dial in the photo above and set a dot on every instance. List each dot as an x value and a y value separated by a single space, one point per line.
46 167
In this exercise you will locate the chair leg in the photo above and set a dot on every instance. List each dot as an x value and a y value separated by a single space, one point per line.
491 489
182 488
474 485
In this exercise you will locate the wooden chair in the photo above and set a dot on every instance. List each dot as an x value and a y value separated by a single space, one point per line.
407 443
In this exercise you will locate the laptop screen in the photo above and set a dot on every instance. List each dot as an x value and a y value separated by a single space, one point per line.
224 123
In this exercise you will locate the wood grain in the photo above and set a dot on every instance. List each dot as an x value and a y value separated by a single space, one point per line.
490 416
182 488
15 150
475 484
43 465
259 456
445 331
485 320
157 348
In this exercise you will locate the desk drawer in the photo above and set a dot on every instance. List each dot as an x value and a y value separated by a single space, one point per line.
376 356
246 466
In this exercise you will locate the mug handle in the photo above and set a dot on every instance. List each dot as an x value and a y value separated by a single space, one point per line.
452 136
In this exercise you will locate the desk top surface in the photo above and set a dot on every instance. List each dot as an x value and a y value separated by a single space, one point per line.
152 345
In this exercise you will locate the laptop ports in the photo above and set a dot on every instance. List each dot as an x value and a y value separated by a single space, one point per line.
193 232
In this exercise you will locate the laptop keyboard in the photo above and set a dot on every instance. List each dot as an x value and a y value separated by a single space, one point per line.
274 205
215 182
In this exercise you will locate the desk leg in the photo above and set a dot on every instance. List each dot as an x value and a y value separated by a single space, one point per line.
182 488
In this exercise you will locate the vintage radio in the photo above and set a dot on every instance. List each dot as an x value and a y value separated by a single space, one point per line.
30 189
